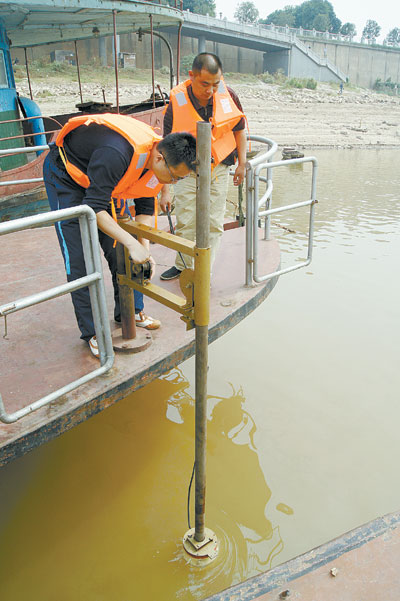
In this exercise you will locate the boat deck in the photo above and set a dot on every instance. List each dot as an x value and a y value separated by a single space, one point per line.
362 565
43 352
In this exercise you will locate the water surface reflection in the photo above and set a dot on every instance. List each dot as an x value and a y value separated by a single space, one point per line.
98 512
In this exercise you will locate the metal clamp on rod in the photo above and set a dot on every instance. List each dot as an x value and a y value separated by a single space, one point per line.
141 273
136 277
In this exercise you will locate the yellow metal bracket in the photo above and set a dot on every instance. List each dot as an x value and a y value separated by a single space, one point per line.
202 286
194 284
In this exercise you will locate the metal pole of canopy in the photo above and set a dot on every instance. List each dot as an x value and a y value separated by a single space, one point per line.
171 58
27 74
178 53
116 58
78 70
152 59
200 542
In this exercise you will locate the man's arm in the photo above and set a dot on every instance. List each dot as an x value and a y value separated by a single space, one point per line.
165 197
241 145
137 252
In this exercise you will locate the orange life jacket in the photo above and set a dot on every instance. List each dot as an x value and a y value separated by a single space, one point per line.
224 118
141 136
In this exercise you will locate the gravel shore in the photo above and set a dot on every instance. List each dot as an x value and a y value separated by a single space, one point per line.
292 117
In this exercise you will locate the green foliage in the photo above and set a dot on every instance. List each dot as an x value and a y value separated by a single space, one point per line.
387 87
267 77
348 29
393 37
186 64
246 12
311 84
278 78
294 82
321 23
201 7
308 12
300 83
281 17
312 14
371 30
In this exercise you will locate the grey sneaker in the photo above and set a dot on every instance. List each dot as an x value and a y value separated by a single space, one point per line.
170 274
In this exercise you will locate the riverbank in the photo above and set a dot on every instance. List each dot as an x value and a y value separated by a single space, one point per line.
303 118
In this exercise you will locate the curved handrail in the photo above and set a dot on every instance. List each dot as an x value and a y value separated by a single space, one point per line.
270 211
265 156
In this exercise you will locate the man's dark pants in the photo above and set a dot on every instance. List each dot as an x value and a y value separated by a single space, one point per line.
63 192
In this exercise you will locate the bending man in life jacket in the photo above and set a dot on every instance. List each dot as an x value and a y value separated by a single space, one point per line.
102 160
205 97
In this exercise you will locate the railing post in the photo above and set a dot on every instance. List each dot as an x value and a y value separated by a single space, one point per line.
249 226
126 298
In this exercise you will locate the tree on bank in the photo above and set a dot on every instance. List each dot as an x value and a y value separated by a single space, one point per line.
312 14
371 30
246 12
281 18
348 29
201 7
393 37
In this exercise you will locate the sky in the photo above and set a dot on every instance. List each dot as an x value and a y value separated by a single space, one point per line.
385 12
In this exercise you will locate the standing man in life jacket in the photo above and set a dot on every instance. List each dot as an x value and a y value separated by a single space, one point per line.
102 160
205 97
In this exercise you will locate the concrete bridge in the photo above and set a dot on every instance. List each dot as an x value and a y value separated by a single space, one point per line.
281 50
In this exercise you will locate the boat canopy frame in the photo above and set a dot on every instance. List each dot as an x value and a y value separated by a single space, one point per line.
62 21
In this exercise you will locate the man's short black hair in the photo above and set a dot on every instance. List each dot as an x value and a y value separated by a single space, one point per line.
179 148
207 61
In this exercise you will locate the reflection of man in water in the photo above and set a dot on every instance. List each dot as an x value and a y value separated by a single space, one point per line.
236 482
237 493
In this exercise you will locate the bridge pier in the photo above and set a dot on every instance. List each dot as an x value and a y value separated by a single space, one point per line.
103 51
202 43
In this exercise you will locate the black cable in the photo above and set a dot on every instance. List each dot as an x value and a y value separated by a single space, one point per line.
172 230
188 501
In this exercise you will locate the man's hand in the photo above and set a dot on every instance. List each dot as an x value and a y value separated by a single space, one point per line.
239 175
165 200
152 266
137 252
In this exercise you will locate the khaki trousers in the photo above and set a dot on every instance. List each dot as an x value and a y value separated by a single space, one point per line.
185 210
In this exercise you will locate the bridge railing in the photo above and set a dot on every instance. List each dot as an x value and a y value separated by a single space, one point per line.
242 28
282 33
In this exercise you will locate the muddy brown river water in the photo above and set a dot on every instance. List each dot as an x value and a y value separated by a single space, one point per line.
303 439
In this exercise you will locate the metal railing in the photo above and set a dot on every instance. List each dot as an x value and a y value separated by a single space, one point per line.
93 279
288 33
24 150
255 210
